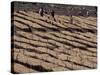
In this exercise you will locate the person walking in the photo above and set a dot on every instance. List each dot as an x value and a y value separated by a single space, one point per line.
41 11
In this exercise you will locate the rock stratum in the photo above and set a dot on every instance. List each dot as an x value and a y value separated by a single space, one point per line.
40 44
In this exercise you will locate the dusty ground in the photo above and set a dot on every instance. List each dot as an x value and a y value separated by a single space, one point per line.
43 45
